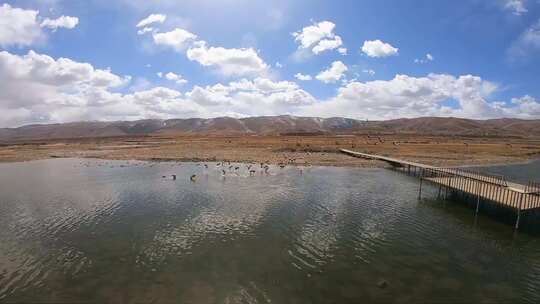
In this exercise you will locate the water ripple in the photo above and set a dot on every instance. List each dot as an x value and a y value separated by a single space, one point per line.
108 231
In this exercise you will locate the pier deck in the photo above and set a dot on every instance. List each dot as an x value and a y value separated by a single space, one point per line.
494 188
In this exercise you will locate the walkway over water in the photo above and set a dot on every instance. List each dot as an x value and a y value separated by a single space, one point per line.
494 188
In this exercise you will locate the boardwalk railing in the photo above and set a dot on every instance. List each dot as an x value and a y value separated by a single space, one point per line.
533 188
482 186
496 179
492 188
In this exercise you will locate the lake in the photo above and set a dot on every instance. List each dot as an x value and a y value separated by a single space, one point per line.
76 230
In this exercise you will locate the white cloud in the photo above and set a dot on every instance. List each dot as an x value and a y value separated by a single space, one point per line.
527 43
334 73
45 70
178 39
230 62
428 58
153 18
377 48
145 30
318 37
342 51
148 97
525 107
173 77
227 61
302 77
517 7
249 98
37 88
278 65
407 96
327 44
60 22
19 27
312 34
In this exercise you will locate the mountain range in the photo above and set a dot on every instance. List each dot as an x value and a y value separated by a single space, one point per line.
274 125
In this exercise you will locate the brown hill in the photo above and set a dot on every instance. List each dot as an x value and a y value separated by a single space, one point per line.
276 125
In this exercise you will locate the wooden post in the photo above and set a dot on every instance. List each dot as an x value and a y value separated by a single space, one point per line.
475 188
519 211
477 204
420 190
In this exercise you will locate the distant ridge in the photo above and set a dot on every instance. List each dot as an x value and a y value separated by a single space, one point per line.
274 125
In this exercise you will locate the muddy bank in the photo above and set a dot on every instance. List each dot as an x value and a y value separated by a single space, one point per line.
295 150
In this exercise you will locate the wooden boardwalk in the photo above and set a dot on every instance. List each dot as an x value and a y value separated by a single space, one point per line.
493 188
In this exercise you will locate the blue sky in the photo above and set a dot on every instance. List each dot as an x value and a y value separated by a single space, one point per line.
472 58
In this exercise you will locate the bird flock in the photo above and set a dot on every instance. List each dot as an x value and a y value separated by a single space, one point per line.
226 168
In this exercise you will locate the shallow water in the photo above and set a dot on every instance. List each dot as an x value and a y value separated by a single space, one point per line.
522 173
109 231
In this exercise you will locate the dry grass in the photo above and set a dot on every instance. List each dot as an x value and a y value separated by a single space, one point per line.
315 150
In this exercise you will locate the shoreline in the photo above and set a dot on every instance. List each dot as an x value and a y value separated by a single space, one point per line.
290 150
364 163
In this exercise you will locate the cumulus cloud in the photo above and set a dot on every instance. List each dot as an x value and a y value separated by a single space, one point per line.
60 22
35 85
407 96
319 37
230 62
328 44
302 77
173 77
260 96
334 73
36 88
377 48
35 67
178 39
18 26
227 61
524 107
21 27
151 19
402 96
517 7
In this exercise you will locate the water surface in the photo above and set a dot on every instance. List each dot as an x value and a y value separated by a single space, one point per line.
111 231
521 173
